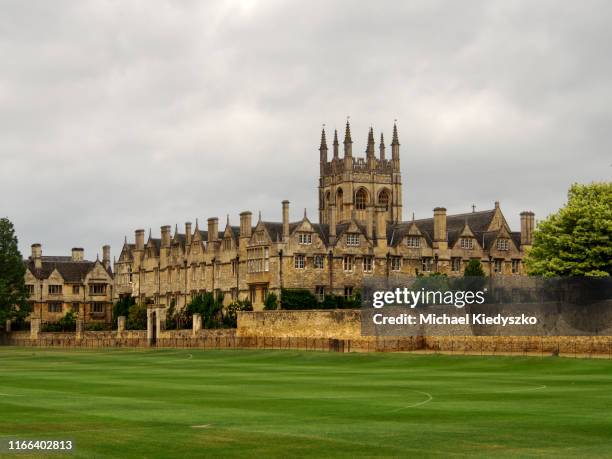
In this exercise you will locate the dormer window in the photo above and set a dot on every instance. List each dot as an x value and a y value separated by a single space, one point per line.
467 243
305 238
352 239
413 242
502 244
227 243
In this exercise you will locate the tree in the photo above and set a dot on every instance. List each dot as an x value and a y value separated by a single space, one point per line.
474 269
13 294
209 307
577 240
137 317
122 307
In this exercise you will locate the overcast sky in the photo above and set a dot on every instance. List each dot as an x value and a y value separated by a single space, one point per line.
117 115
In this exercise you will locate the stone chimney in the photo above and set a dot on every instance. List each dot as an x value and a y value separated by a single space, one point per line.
285 219
37 255
188 233
139 238
78 254
246 223
527 226
106 256
332 223
213 229
440 237
381 226
165 236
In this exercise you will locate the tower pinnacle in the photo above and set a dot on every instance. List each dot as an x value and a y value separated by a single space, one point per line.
348 142
370 148
395 140
336 143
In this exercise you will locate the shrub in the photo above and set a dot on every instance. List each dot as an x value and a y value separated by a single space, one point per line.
65 324
98 326
209 307
122 308
137 317
474 269
340 302
177 319
295 299
230 318
271 302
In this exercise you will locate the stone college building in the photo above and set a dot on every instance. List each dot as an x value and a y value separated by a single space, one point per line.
360 233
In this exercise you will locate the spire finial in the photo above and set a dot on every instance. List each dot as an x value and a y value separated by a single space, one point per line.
260 215
370 149
305 213
347 132
175 229
227 222
412 216
323 139
335 143
382 147
473 208
125 239
149 233
395 140
197 227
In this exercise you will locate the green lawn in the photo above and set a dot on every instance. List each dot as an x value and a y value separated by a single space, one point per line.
193 403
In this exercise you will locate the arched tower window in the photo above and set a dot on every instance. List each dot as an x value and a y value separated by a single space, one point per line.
383 199
327 200
361 199
340 204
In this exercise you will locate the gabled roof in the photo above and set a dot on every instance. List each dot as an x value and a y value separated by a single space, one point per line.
478 222
71 271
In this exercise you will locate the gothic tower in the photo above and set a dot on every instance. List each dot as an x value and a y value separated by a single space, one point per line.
351 186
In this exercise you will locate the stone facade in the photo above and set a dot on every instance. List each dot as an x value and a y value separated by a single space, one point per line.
360 233
58 284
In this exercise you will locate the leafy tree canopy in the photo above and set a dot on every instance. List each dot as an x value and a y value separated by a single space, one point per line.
577 240
474 269
13 304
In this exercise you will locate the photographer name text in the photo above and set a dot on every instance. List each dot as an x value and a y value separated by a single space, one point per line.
446 319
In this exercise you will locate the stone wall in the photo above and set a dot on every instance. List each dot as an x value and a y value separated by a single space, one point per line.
320 330
337 323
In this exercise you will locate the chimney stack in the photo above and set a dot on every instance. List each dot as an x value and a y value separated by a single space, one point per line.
37 255
527 226
78 254
106 256
246 223
165 236
285 219
213 229
439 227
139 238
188 233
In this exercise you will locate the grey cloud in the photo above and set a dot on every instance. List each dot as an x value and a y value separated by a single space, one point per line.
121 115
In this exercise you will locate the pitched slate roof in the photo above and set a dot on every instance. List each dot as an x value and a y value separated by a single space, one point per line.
71 271
477 221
